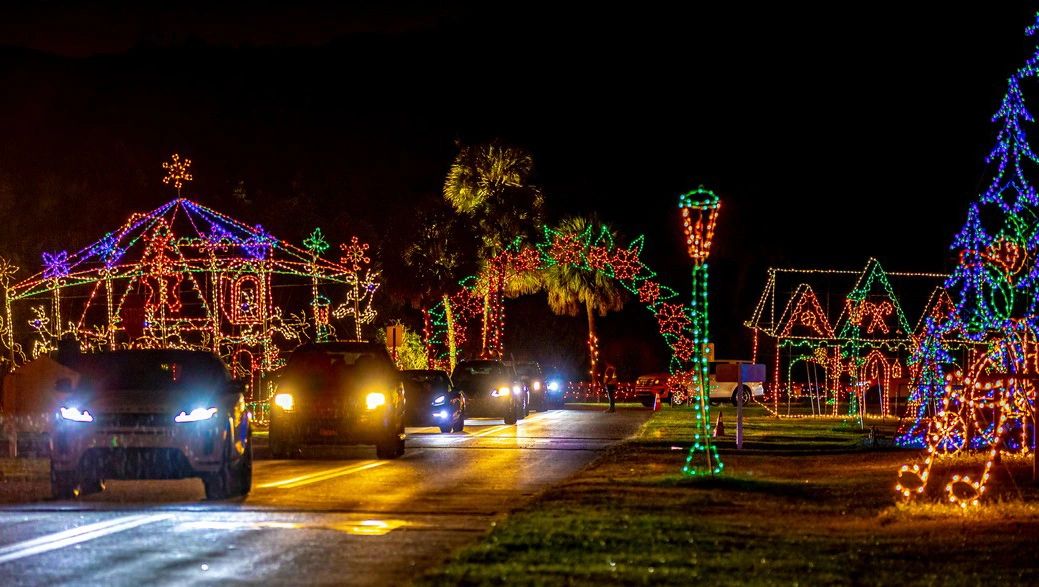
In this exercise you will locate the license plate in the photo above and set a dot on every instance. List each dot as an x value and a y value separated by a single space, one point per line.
327 432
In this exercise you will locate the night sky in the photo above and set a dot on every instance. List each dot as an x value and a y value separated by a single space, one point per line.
832 134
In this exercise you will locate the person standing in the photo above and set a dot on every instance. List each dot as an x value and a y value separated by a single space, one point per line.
609 381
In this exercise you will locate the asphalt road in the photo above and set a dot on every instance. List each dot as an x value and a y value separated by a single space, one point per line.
336 516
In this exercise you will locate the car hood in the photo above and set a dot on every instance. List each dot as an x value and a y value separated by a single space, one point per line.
145 400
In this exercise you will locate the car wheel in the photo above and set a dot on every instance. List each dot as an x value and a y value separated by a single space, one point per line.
245 470
64 484
459 424
746 396
91 483
445 428
526 407
391 447
232 480
647 403
281 446
510 414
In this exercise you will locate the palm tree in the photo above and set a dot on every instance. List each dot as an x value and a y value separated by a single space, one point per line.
572 288
490 184
439 257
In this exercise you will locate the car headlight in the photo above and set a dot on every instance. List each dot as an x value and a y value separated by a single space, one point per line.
196 415
553 386
501 392
75 415
537 386
284 401
440 400
375 399
516 389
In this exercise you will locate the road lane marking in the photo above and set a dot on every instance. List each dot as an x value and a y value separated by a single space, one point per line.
76 536
320 476
366 527
491 430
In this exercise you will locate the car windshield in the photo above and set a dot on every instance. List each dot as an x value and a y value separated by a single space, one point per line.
528 370
150 371
346 359
476 370
424 377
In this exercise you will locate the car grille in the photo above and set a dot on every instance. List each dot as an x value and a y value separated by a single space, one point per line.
132 420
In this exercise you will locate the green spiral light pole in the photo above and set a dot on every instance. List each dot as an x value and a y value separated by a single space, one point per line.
699 215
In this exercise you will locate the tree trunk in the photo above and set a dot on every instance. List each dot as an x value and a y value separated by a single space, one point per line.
593 345
452 351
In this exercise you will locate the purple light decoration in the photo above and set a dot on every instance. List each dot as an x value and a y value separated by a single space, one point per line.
259 245
217 234
56 265
107 250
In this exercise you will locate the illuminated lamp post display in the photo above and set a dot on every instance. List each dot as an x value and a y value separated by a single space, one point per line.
699 215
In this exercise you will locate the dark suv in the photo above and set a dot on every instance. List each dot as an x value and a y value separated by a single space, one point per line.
338 393
151 414
529 373
491 390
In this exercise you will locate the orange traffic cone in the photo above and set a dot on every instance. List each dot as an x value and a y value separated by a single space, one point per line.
719 427
656 403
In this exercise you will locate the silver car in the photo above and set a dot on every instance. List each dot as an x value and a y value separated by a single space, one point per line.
151 414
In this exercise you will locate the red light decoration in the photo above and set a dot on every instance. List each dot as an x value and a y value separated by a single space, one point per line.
684 348
354 254
598 257
672 318
874 312
626 264
566 249
649 292
698 224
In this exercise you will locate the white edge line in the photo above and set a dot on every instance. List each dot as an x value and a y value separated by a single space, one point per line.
63 539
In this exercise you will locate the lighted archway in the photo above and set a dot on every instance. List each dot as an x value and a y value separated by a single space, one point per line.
587 251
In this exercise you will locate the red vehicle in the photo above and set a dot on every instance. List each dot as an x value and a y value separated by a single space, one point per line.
649 387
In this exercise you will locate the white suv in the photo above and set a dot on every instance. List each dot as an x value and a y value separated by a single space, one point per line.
725 390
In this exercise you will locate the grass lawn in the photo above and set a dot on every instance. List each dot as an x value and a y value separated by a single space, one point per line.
806 502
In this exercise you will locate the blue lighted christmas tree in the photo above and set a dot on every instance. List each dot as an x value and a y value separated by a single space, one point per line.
974 364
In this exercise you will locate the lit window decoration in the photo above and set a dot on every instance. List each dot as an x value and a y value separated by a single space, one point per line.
178 172
246 293
649 292
626 264
598 258
55 265
354 255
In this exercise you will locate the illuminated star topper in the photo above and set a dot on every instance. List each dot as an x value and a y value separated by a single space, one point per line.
177 172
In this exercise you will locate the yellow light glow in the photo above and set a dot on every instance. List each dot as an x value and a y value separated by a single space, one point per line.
284 401
375 399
